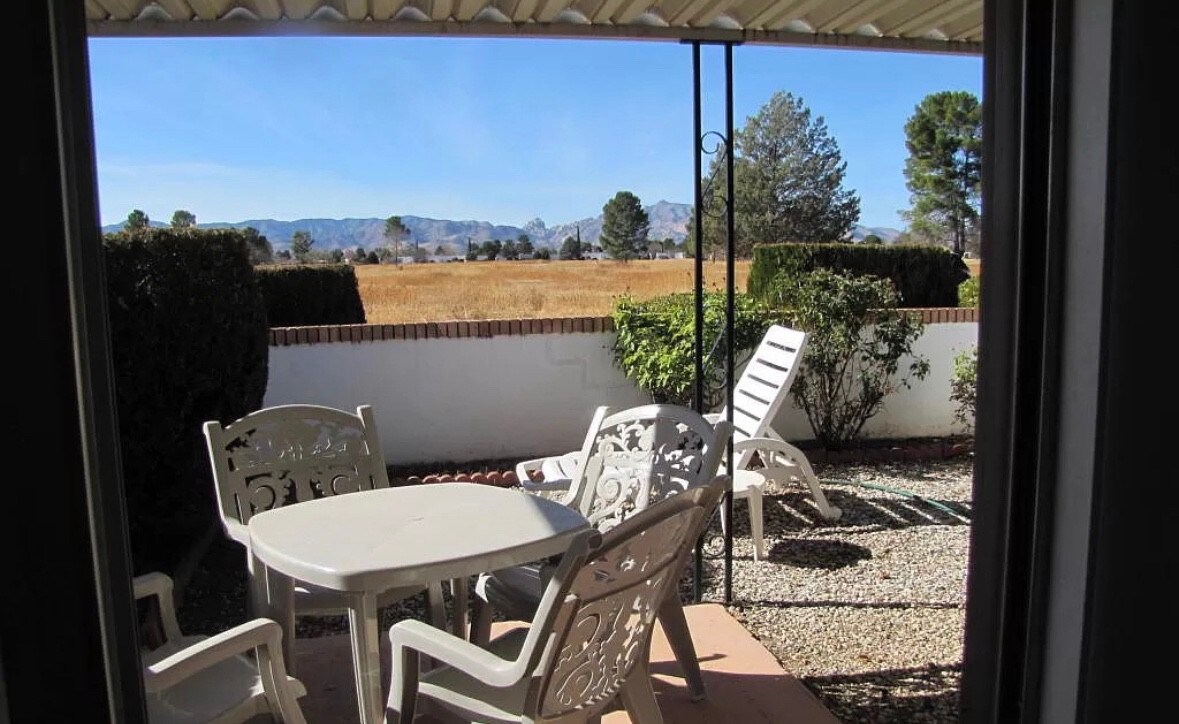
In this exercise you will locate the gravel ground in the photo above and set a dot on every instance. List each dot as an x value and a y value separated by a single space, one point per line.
868 611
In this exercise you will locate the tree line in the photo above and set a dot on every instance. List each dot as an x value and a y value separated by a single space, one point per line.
788 179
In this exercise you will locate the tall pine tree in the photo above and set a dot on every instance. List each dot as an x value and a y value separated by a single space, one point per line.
624 227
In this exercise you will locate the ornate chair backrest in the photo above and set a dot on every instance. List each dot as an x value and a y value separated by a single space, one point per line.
292 453
762 387
641 455
597 616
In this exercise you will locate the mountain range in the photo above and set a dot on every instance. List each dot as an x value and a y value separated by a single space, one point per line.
667 219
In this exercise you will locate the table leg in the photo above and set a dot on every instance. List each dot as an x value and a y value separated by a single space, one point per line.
458 591
366 656
279 605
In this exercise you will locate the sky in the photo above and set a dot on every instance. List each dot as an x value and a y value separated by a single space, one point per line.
499 130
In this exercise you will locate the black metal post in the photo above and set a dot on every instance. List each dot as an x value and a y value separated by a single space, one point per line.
730 252
698 390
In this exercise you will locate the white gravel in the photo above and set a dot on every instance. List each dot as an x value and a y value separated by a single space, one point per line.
868 612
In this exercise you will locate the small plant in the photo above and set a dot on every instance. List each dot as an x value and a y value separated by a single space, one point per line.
968 293
656 342
964 385
852 359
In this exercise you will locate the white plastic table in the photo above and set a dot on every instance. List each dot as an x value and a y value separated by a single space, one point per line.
369 541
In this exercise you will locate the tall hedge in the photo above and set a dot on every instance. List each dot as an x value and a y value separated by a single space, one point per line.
189 339
925 276
298 296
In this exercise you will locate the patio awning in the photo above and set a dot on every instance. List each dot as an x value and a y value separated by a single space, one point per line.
948 26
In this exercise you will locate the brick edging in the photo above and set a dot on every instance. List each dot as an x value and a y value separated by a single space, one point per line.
328 333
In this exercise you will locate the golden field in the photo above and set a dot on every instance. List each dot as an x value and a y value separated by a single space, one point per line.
523 289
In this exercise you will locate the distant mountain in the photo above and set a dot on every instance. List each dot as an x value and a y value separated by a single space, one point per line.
668 220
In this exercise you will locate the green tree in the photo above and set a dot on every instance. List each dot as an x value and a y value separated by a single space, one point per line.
182 219
396 232
542 253
136 221
944 168
509 250
420 255
440 250
853 357
336 255
524 246
258 246
373 258
624 227
491 249
570 249
284 254
873 239
788 177
301 243
359 256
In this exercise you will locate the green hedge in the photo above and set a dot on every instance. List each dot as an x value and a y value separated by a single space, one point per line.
968 292
298 296
190 343
656 342
925 276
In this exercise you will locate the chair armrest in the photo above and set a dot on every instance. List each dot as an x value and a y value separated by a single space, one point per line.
447 648
237 530
523 474
159 585
171 670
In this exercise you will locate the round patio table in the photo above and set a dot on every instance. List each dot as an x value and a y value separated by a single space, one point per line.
366 542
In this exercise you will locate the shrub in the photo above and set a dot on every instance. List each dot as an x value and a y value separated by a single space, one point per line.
656 343
968 293
852 357
189 342
964 385
923 275
299 296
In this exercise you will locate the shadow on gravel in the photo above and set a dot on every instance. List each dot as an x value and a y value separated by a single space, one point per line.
794 510
825 554
891 696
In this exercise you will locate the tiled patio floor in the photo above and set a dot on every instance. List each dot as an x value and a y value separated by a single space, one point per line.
745 683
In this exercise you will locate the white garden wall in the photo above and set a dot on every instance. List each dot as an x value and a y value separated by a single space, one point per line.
513 395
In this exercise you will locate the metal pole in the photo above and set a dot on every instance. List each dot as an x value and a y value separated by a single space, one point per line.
698 390
730 252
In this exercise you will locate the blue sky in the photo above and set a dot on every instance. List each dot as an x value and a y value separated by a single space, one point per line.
499 130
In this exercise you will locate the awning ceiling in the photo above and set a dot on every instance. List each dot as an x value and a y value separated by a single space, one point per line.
948 26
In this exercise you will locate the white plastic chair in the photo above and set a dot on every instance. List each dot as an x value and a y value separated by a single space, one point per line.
759 394
629 460
588 644
210 679
287 454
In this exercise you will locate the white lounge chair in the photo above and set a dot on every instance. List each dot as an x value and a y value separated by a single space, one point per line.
759 394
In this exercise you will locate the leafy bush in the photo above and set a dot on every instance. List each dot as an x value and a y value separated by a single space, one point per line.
968 293
656 342
298 296
189 341
964 385
923 275
852 358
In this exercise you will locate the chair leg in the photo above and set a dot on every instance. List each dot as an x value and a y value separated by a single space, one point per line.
480 622
828 511
639 698
403 691
436 605
756 524
679 637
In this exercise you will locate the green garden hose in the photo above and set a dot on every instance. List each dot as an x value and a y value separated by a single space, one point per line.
902 493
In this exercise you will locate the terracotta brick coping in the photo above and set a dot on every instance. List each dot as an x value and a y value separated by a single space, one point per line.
323 334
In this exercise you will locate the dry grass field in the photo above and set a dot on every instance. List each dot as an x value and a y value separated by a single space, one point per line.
522 289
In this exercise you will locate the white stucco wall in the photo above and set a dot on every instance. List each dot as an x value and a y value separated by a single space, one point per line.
478 398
